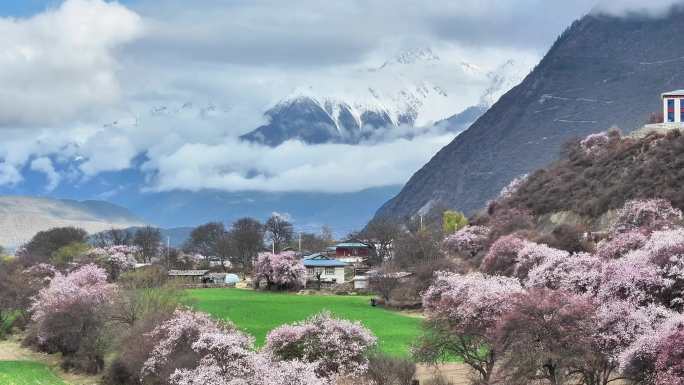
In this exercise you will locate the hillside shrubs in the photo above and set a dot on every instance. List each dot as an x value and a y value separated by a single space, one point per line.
591 182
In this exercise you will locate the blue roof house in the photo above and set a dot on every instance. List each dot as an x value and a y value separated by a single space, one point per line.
328 269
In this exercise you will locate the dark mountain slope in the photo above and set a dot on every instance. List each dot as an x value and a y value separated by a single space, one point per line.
602 72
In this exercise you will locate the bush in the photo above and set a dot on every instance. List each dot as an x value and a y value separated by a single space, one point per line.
385 370
148 277
69 315
567 237
593 183
133 348
336 347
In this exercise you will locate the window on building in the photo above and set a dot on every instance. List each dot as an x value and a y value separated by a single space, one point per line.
310 271
670 110
681 110
329 271
319 270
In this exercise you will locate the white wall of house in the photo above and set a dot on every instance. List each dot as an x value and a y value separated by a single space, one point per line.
677 109
328 273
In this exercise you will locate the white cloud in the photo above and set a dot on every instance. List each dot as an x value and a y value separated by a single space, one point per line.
9 175
292 166
69 70
651 8
45 166
59 65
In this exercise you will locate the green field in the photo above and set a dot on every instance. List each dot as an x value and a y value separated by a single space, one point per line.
27 373
258 312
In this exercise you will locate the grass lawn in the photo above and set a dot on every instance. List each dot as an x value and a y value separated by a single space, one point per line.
27 373
258 312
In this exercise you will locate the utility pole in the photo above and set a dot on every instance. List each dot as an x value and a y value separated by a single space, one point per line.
273 242
300 242
168 251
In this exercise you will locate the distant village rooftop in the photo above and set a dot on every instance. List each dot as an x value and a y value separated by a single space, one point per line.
319 260
187 273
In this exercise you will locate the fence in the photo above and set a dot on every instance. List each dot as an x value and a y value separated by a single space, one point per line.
206 285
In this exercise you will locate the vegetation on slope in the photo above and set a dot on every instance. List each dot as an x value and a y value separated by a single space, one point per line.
592 181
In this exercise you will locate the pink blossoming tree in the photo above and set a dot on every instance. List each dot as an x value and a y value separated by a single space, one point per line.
533 254
337 348
621 244
468 241
657 357
595 144
512 187
577 273
69 313
646 216
282 271
115 259
502 256
462 313
632 278
192 349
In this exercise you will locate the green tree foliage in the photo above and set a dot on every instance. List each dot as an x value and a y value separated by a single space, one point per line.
41 247
69 253
452 221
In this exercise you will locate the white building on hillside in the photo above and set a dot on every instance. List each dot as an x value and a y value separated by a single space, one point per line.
673 107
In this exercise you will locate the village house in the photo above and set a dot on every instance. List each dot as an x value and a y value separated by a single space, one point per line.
673 115
673 107
189 276
353 252
322 268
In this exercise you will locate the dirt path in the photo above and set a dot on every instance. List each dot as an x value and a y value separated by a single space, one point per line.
11 350
456 374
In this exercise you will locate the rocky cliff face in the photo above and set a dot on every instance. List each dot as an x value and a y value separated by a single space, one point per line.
602 72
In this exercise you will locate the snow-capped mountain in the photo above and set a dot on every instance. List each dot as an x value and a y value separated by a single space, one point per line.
416 88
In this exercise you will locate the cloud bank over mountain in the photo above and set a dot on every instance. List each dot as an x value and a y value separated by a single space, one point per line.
93 87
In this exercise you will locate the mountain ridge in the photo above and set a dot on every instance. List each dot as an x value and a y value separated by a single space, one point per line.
21 217
604 71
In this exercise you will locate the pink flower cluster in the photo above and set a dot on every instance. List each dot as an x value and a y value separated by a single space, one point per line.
468 241
335 347
85 287
621 244
225 356
471 304
284 270
533 254
41 273
512 187
577 273
646 216
502 256
658 355
184 326
594 144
